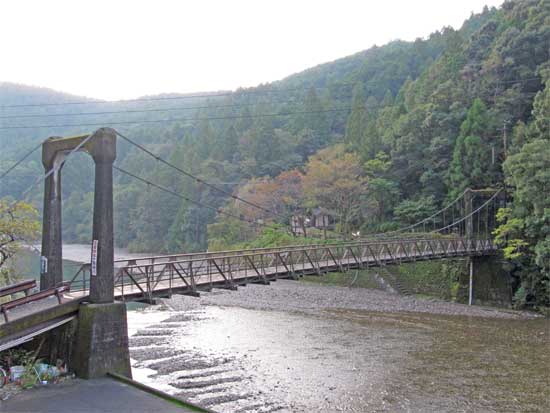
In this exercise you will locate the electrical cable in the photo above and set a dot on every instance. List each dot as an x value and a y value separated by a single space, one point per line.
264 115
211 95
183 97
114 112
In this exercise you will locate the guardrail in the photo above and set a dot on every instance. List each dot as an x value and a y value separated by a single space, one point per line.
57 292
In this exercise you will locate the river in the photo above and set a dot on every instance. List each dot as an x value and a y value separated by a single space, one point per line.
302 347
297 347
27 261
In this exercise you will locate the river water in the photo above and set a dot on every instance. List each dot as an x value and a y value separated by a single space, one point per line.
232 354
301 347
27 262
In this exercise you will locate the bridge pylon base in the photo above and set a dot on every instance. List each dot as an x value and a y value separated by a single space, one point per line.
102 341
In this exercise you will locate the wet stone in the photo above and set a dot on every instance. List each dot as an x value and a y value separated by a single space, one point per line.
230 397
186 362
146 341
202 374
171 326
183 318
153 332
201 392
154 353
188 384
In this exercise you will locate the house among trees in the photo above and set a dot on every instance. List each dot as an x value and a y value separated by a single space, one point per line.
322 218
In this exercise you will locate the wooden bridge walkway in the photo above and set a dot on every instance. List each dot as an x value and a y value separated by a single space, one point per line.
143 279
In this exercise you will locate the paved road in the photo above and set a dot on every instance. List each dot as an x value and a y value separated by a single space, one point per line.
89 396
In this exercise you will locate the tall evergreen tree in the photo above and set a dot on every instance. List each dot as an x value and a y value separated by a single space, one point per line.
472 158
355 126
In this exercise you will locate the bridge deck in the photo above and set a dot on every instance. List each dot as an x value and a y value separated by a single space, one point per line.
163 276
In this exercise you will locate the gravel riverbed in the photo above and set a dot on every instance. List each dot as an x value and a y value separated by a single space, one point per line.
286 295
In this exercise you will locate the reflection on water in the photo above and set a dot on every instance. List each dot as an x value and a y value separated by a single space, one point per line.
27 265
27 262
235 359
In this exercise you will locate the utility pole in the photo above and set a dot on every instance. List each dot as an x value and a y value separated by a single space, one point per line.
505 148
505 140
471 283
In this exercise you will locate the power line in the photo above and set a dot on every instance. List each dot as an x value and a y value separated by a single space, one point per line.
197 179
172 108
218 210
527 79
181 119
113 112
161 98
264 115
208 95
148 121
16 164
525 94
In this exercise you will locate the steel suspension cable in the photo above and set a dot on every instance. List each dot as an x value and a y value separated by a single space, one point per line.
461 220
169 191
16 164
197 179
423 222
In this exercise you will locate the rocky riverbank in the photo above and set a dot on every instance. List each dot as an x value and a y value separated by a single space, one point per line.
286 295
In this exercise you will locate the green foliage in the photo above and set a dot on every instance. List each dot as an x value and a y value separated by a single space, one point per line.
411 211
274 237
382 191
18 224
227 235
434 278
524 231
471 163
15 357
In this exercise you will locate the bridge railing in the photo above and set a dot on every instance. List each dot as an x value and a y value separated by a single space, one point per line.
80 280
188 272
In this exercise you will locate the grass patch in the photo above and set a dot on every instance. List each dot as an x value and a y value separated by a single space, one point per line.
364 279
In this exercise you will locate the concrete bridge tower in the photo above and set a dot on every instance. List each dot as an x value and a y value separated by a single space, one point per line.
102 337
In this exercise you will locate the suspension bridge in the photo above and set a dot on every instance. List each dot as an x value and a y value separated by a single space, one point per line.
461 229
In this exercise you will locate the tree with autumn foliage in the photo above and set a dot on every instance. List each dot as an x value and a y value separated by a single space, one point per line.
279 197
276 201
335 180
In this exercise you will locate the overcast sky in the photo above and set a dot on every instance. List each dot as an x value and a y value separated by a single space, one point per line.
123 49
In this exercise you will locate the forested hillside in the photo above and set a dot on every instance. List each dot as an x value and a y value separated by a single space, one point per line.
378 139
